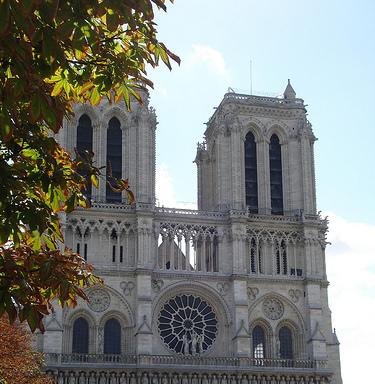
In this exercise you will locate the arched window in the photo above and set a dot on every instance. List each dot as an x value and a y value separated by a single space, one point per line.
114 156
112 337
259 342
286 343
276 176
80 336
281 258
251 179
84 143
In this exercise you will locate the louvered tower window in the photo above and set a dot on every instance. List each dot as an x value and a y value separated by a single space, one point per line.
259 342
114 157
84 143
80 336
286 343
112 337
251 179
276 176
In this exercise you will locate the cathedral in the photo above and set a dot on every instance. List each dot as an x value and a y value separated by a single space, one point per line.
234 292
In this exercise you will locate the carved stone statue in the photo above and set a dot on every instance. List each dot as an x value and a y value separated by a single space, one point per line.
101 339
277 347
194 343
185 342
144 379
200 343
133 379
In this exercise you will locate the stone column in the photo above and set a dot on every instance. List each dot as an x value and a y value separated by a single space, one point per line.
143 334
242 337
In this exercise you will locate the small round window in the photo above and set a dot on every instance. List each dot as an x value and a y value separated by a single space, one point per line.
187 325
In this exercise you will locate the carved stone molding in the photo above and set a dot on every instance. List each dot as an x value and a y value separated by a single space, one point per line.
157 285
295 294
127 287
222 288
252 292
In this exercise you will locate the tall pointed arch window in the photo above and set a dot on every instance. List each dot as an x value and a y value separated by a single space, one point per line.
286 343
251 177
80 336
114 157
112 337
259 342
84 143
276 176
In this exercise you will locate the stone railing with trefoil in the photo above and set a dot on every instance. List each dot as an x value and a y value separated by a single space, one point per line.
188 247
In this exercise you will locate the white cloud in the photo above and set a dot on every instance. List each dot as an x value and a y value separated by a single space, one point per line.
208 56
165 193
351 271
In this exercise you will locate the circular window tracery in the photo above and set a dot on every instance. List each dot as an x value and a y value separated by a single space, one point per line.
187 325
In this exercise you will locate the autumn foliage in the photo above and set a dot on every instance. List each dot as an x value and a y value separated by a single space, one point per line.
53 54
19 364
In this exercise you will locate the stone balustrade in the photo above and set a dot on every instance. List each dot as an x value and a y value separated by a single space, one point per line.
71 359
251 99
119 369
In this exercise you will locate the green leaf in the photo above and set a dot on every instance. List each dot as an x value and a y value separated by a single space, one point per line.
95 97
35 106
71 203
57 88
112 20
37 242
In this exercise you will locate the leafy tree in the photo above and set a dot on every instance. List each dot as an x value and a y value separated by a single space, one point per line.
18 362
52 54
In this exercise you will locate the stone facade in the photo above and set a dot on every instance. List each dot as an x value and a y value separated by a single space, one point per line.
219 295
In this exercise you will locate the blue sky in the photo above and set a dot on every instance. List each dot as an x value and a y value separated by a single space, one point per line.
327 49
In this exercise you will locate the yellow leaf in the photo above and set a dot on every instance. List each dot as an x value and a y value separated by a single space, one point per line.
95 181
57 88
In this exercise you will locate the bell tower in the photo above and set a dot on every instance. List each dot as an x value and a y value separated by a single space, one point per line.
258 153
120 139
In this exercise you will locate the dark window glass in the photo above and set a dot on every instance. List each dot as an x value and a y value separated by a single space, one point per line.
114 157
276 177
260 258
251 179
112 337
285 258
278 266
113 253
259 342
286 343
80 336
252 256
282 259
121 253
85 251
84 143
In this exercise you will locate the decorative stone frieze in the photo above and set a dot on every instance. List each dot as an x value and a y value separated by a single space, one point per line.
127 287
252 292
273 308
98 300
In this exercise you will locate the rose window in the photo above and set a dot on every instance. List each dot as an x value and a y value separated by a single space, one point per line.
187 325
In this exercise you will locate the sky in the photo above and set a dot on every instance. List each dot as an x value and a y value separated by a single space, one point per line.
327 50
